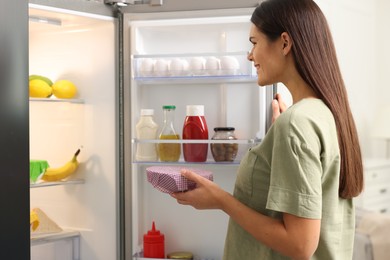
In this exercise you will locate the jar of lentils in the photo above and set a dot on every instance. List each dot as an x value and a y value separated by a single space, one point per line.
224 152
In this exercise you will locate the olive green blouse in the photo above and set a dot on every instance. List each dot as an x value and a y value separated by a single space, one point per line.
295 169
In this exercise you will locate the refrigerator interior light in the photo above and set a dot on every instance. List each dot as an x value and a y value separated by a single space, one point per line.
46 20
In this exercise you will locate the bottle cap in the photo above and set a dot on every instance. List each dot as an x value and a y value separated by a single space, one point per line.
154 236
224 129
195 110
147 112
169 107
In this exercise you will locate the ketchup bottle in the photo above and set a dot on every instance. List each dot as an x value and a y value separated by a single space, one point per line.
154 246
195 127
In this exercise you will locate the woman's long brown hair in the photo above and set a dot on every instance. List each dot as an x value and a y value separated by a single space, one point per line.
316 61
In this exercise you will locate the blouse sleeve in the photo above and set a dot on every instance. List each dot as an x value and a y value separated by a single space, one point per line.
296 171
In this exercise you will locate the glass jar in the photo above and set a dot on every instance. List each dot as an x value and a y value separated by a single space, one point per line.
224 152
180 255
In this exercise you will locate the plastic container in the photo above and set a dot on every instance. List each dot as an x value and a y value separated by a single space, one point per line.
224 152
169 152
195 127
146 128
154 244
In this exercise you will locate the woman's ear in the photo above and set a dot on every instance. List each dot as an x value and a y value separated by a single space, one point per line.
287 43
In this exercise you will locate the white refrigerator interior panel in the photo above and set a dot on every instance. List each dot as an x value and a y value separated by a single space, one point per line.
192 35
185 229
231 98
80 48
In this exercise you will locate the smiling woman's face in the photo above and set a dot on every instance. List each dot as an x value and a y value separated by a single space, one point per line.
267 57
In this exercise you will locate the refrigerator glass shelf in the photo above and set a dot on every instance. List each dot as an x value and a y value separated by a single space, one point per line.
197 79
198 141
182 162
79 101
51 237
209 66
56 183
243 146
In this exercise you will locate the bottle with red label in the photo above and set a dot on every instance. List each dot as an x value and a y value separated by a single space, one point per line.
195 127
154 246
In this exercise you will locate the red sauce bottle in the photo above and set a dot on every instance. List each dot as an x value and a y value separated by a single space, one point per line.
154 246
195 127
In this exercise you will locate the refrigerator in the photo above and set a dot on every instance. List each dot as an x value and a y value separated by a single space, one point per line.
107 206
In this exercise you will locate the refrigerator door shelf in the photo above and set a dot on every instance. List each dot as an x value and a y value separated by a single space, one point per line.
56 183
188 66
200 80
52 99
64 245
243 146
46 238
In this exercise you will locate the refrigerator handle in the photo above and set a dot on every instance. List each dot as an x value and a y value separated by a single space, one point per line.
266 95
270 95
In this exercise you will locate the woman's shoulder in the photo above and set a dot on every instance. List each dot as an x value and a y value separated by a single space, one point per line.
308 117
307 110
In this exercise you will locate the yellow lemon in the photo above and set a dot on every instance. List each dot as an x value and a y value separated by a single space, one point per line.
34 220
64 89
39 88
46 79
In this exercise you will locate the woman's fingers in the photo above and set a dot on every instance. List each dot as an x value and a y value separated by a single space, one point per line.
282 104
278 107
275 110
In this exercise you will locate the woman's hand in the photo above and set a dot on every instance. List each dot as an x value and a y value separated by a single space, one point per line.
278 107
206 195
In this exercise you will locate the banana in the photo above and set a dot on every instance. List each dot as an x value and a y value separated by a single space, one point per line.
57 174
34 220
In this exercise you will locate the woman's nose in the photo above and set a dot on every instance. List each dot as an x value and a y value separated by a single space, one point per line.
249 56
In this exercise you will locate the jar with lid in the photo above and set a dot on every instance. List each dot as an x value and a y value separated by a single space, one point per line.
180 255
169 152
224 152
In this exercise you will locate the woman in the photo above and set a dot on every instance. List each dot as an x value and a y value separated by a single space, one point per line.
293 194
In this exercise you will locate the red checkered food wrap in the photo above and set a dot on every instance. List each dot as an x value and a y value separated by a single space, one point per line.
168 179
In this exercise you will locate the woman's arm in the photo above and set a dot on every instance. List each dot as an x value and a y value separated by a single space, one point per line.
294 237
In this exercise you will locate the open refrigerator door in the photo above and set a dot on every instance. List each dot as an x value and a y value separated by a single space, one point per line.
180 59
78 214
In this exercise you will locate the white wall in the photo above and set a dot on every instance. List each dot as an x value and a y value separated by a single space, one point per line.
383 63
354 25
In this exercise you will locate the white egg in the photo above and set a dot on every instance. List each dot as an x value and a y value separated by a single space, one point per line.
212 65
229 65
176 67
146 67
161 67
197 65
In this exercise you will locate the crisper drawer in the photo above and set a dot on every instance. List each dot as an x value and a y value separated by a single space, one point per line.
375 198
60 246
377 176
377 192
380 207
